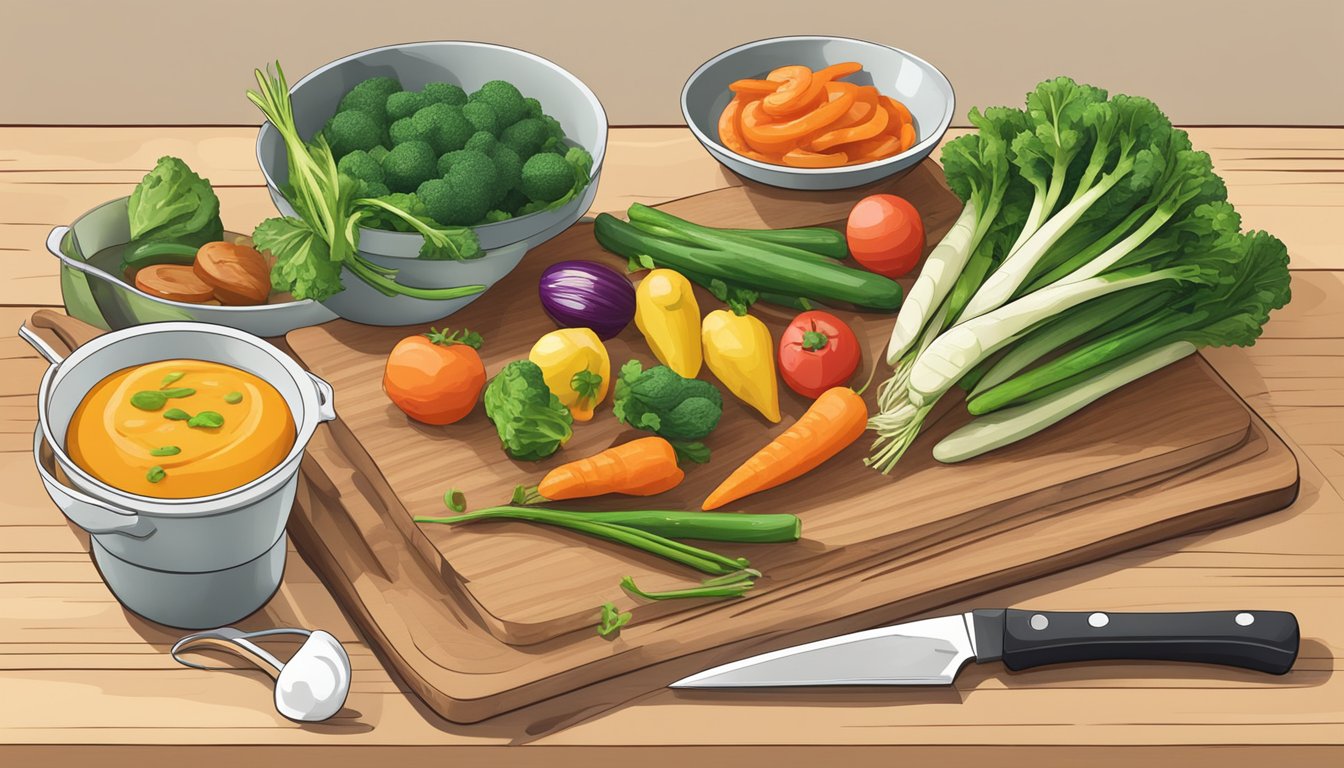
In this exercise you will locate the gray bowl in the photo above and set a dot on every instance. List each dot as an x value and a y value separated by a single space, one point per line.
468 65
93 292
923 89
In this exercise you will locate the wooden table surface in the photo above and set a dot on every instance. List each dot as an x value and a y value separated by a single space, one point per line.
80 677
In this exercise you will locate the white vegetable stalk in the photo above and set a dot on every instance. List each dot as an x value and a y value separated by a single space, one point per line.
995 430
999 287
940 273
954 353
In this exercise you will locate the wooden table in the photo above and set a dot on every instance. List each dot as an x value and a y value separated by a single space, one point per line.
80 678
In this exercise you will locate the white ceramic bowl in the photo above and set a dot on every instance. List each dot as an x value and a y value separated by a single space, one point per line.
919 85
470 65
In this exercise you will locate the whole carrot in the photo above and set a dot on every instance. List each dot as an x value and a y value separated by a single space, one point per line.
642 467
837 418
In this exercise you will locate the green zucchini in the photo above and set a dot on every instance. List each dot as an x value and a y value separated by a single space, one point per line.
149 253
781 270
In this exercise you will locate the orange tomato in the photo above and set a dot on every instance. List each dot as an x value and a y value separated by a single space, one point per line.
435 378
885 234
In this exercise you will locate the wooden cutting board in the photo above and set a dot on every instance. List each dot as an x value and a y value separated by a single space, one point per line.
529 584
433 637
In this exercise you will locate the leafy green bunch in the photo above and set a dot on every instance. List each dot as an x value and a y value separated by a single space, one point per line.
313 248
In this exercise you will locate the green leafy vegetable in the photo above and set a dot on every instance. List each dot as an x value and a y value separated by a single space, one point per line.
171 378
166 450
312 249
662 402
176 414
233 398
155 474
612 620
172 203
178 392
149 400
531 421
1112 244
207 420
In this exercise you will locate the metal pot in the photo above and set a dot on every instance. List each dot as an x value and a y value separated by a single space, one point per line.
197 562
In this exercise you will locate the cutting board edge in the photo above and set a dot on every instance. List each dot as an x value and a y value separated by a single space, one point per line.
469 710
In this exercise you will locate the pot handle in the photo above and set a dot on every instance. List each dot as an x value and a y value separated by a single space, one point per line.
85 511
54 239
40 344
326 399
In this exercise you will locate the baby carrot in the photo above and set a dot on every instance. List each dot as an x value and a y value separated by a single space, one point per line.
837 418
642 467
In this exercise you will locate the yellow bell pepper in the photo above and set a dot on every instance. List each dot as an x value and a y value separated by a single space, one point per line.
739 350
576 367
668 315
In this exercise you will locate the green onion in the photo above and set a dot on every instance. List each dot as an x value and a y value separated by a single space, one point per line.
612 620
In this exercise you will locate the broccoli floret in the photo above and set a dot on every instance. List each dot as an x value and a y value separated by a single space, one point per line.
508 168
352 130
361 165
482 142
664 403
407 165
378 153
446 161
445 93
497 215
513 202
476 165
405 130
482 117
371 96
525 137
375 189
505 98
546 177
404 104
454 201
533 107
445 128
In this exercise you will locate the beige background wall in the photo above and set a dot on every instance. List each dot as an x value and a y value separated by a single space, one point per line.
1207 62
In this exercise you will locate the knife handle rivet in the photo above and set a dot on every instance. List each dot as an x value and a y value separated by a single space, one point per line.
1098 620
1039 621
1244 619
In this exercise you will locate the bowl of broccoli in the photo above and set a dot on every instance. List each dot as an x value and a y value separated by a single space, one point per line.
462 134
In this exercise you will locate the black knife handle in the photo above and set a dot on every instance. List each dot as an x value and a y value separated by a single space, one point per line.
1261 640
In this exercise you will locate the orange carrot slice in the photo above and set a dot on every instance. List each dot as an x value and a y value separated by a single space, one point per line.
866 130
756 129
877 148
898 108
837 71
907 136
753 88
802 158
730 134
797 91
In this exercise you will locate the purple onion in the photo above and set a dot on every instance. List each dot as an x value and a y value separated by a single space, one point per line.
584 294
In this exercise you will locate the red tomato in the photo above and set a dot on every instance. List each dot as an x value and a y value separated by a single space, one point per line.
816 352
437 377
885 235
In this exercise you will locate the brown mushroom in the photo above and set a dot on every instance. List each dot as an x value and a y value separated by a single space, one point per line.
238 273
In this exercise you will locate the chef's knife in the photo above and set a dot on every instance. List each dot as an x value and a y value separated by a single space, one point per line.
932 651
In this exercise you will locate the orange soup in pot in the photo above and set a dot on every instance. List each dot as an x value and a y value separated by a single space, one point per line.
178 429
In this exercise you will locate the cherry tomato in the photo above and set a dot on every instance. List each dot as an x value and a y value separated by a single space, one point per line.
816 352
885 235
437 377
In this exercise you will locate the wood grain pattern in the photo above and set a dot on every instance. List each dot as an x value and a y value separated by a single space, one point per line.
82 680
531 584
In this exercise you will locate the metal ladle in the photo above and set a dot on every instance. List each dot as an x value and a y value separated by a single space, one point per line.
310 687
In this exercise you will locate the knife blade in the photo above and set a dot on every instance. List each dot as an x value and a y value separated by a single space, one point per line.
933 651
